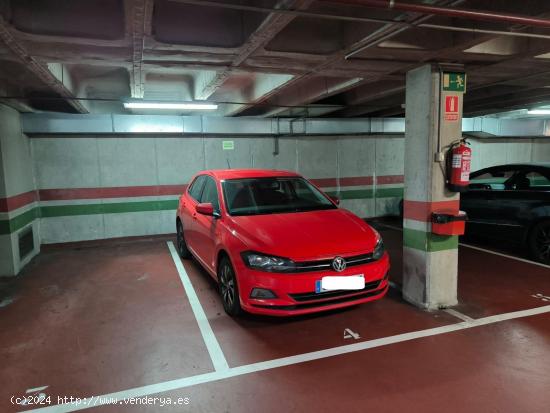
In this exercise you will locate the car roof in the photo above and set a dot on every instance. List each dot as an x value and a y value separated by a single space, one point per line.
536 165
221 174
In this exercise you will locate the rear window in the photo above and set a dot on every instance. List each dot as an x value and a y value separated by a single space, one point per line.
537 179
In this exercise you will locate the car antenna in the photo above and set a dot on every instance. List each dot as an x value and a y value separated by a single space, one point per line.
228 164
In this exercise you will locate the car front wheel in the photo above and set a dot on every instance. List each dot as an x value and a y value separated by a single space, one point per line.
229 289
539 242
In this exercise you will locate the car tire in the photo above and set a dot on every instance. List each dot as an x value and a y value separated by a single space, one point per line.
539 242
229 290
181 245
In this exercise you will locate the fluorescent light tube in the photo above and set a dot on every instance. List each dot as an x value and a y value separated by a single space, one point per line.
170 105
539 112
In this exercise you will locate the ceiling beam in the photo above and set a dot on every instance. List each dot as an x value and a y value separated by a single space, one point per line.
308 92
39 69
385 32
141 14
268 29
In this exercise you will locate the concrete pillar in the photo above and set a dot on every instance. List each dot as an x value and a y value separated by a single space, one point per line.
433 121
19 223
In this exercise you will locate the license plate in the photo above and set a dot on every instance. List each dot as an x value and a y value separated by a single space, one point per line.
331 283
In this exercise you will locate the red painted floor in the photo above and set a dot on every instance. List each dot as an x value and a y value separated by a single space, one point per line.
488 284
94 320
499 368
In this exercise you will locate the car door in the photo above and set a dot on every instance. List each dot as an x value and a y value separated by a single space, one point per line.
480 203
207 227
188 212
517 203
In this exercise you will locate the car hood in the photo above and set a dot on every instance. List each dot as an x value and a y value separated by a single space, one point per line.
305 235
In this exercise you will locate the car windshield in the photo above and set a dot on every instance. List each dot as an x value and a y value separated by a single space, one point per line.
255 196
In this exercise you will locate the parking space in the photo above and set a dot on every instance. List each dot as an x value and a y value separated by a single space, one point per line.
481 369
490 282
252 338
92 320
117 319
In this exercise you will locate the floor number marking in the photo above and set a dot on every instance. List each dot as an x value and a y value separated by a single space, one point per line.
350 334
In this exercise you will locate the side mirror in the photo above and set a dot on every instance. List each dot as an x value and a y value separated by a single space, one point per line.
205 209
335 199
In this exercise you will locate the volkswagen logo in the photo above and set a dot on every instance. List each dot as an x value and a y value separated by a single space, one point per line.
339 264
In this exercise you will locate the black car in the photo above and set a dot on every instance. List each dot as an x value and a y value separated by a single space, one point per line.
511 204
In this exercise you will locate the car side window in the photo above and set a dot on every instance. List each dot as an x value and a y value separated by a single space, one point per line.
196 187
537 179
494 180
210 194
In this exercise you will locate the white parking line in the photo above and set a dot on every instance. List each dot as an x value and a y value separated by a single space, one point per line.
477 248
287 361
505 255
214 349
450 311
458 314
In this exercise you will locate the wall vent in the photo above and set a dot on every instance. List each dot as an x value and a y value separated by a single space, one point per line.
26 242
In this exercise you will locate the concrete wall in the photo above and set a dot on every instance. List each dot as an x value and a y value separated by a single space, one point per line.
94 187
18 209
104 186
490 152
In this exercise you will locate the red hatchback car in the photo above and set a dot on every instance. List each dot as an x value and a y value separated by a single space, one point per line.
278 245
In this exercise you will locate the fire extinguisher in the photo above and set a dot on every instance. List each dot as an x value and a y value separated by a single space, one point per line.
459 158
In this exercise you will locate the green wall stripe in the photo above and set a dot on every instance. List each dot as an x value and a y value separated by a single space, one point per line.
368 193
426 241
389 192
110 208
9 226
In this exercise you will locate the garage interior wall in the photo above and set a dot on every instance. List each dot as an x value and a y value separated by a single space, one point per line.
85 187
18 207
492 151
95 187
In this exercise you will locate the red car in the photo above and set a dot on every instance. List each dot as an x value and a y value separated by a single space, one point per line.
277 245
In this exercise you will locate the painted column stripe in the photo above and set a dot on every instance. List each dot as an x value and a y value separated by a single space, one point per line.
17 201
426 241
422 211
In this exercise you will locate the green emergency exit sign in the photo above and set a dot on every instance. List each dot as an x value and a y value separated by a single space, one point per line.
228 145
454 82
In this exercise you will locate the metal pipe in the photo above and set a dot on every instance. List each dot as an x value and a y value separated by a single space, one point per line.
483 15
484 31
324 16
290 12
379 39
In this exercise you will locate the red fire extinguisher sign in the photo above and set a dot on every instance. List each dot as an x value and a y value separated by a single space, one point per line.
451 108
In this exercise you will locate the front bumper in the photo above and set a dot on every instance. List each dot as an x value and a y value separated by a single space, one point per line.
296 292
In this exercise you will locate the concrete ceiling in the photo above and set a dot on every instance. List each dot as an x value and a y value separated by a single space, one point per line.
260 63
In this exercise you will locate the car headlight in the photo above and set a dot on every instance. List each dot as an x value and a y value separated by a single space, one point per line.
262 262
378 250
